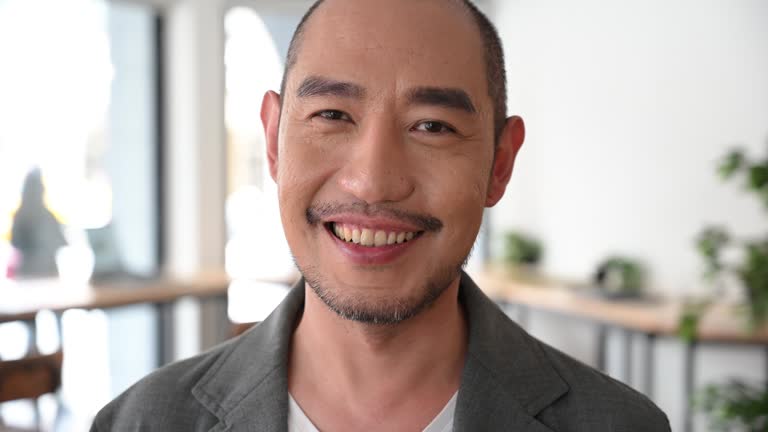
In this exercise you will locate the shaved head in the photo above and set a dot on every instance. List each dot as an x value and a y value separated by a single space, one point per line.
493 53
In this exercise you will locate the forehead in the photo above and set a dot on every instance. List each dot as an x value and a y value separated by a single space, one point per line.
393 45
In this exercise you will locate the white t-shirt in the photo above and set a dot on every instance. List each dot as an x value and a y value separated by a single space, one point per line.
299 422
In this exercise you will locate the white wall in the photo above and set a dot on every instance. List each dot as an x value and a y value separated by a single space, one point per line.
628 107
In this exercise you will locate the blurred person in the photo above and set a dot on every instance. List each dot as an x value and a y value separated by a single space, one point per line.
35 232
387 141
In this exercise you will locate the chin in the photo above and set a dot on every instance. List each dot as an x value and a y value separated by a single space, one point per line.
380 298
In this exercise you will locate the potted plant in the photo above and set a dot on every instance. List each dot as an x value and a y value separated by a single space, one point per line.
715 242
522 254
619 277
736 405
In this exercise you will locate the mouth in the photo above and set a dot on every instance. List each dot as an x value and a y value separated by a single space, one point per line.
370 237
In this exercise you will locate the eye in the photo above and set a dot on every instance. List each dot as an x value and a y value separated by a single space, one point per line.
434 127
333 115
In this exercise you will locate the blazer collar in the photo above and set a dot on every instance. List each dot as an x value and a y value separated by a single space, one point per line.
507 379
247 387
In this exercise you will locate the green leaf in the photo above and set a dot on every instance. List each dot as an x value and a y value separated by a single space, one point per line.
732 162
710 242
758 177
754 275
734 406
688 326
764 196
693 310
522 249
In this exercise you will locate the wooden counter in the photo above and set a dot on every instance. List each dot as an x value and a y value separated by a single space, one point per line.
721 322
22 300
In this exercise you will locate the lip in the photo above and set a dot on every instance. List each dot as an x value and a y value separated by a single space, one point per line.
370 256
374 223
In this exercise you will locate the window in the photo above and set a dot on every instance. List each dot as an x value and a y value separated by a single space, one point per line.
79 134
256 247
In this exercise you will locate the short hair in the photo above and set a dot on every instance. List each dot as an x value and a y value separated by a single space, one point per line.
496 74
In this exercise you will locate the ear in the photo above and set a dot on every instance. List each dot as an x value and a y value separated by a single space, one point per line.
270 118
510 142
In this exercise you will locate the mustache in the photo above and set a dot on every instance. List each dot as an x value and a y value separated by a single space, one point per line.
318 212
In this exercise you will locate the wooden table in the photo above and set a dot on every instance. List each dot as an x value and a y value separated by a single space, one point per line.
22 300
720 324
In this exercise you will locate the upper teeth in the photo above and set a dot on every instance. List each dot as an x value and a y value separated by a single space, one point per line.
370 237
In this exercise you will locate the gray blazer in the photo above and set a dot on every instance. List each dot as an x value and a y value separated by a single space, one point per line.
511 382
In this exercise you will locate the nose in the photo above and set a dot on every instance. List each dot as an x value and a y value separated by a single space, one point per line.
377 170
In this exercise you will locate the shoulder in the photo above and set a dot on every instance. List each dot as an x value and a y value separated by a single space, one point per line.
597 401
561 392
164 400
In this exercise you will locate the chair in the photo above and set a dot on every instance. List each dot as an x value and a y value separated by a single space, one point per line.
30 378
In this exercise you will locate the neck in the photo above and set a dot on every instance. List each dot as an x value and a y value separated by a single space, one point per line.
370 362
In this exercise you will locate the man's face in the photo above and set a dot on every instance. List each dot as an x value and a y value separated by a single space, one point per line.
384 153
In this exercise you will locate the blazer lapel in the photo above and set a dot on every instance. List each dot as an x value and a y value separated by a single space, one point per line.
507 379
264 410
247 388
484 405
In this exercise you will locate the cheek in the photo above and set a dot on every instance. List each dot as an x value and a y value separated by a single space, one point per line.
295 182
299 169
457 189
307 162
461 178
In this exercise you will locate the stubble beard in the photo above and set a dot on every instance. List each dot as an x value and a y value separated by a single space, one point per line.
381 311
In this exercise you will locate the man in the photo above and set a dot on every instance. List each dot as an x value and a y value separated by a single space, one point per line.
388 140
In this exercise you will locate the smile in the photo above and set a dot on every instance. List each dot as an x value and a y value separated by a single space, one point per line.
370 237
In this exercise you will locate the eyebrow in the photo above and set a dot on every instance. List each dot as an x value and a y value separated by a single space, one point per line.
319 86
452 98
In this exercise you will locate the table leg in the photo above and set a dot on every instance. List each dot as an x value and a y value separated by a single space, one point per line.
602 335
165 330
38 414
32 337
766 363
650 346
60 328
628 356
215 313
688 375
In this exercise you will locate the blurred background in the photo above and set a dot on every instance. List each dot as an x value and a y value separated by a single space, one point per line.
138 224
